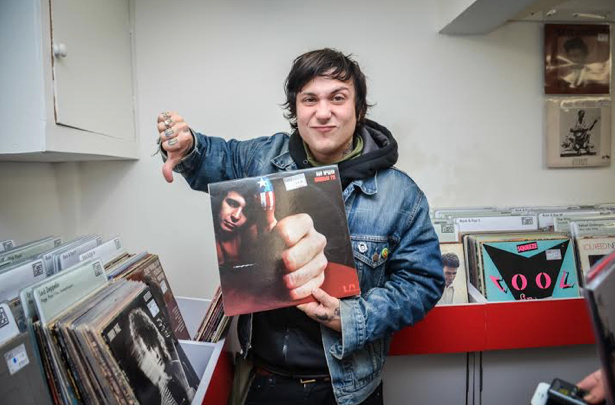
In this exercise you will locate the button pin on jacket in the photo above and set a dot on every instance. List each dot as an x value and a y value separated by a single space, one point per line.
375 257
385 253
362 247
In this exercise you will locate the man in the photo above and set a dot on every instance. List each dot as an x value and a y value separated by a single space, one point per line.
450 265
336 352
579 136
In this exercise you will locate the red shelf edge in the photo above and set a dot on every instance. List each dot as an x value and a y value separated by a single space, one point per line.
221 382
497 326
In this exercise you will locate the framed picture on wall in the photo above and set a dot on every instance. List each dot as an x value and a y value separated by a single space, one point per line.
577 58
578 132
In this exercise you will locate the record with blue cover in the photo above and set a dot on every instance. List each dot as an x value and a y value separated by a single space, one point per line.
527 270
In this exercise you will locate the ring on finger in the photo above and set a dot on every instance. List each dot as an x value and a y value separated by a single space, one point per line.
168 132
166 115
168 123
172 141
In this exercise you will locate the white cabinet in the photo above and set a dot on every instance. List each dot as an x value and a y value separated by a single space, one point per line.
75 103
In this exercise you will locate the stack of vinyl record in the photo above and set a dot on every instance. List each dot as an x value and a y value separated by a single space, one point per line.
215 323
86 322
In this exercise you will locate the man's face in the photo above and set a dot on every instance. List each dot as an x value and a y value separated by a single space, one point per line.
326 117
231 216
449 275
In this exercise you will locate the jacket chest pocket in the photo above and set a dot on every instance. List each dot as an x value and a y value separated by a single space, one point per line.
370 254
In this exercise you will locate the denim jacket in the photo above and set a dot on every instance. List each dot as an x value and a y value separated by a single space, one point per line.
396 253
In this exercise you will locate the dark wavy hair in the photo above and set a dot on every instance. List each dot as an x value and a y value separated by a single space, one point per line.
324 63
247 191
450 260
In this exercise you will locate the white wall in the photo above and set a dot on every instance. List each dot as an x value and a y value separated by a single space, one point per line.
467 113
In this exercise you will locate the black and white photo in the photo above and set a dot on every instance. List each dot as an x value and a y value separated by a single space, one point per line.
578 132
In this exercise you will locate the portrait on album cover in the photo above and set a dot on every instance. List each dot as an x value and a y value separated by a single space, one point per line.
577 58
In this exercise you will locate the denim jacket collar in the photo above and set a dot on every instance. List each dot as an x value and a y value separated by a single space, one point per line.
283 161
368 186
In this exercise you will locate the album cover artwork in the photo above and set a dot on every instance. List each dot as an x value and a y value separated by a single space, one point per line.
578 132
145 348
454 269
600 297
251 216
526 270
591 250
150 271
577 58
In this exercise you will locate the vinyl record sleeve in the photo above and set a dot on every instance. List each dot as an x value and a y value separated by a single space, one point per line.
600 297
145 348
99 312
150 272
591 250
578 132
245 215
457 291
577 58
21 381
531 269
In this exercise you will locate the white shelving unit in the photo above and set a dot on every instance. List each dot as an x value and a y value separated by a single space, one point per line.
203 356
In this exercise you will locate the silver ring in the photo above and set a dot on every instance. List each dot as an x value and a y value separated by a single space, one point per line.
166 115
167 123
172 141
168 132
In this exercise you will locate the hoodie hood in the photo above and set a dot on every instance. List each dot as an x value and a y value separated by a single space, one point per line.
379 153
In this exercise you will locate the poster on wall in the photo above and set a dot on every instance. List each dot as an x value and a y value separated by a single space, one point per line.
578 132
577 58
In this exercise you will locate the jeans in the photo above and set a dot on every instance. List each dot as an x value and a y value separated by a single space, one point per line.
280 390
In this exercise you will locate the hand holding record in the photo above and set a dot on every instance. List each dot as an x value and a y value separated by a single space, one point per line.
304 258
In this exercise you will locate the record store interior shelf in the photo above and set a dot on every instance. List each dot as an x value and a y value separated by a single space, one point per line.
497 326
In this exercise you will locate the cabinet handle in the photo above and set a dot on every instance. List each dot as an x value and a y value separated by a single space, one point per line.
60 50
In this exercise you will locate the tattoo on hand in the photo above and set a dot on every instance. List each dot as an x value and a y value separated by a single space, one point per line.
329 318
323 317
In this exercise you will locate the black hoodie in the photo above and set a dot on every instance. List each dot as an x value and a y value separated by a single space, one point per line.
285 340
379 153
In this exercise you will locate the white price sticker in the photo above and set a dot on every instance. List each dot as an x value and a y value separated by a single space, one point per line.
295 182
16 359
554 254
153 308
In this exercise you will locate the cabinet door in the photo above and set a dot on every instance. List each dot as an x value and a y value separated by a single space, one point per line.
93 88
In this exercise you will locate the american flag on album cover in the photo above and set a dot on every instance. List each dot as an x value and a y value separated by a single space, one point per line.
266 194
